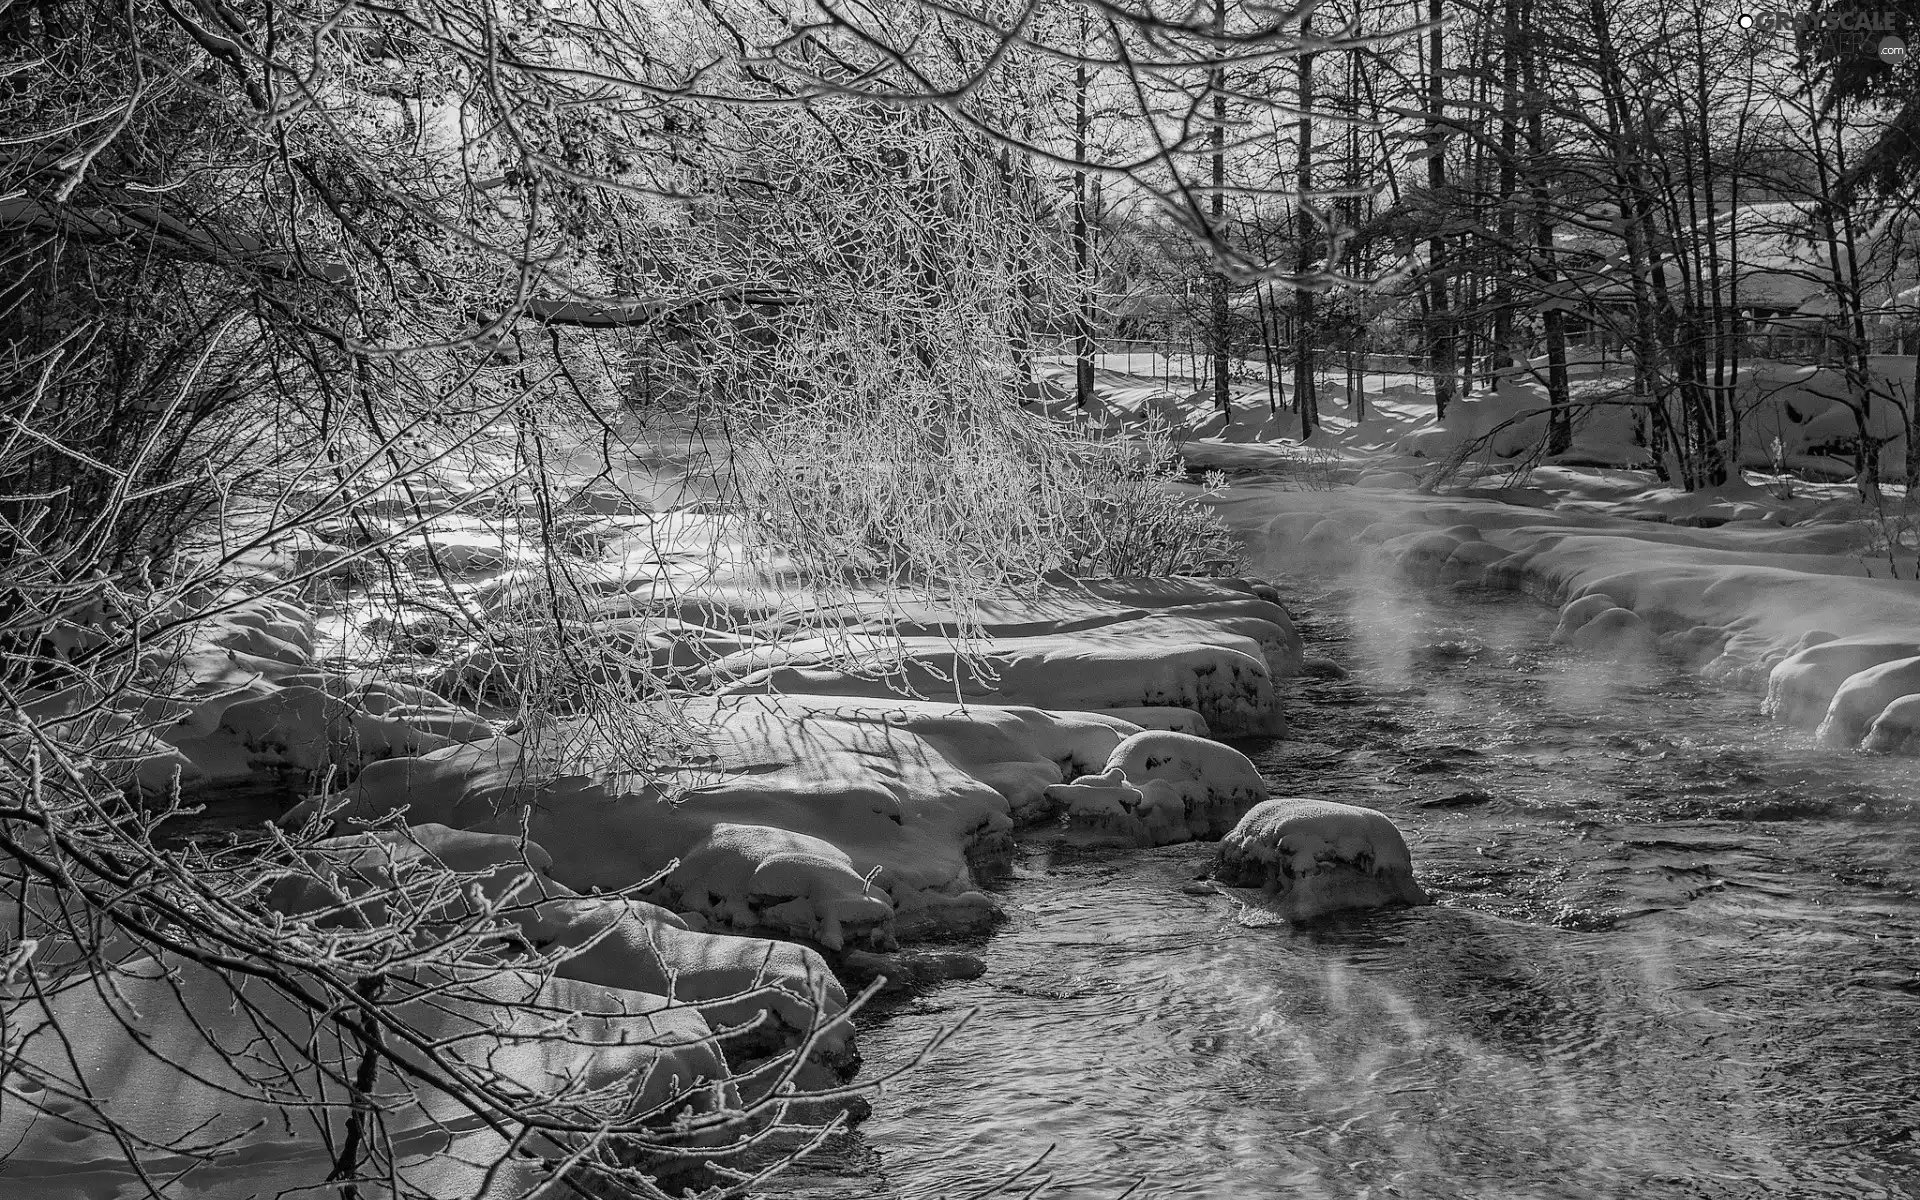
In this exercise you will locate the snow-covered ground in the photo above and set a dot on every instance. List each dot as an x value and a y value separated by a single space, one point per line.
833 777
841 769
1746 581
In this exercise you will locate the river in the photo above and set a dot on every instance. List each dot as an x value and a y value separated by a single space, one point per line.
1673 955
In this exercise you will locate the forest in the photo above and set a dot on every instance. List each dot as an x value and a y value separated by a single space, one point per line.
562 562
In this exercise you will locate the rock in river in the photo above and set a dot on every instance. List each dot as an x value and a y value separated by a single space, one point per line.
1313 857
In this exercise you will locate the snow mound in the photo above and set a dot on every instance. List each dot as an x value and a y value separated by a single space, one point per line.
1309 858
1575 614
1173 720
1151 662
1802 686
1897 729
777 991
914 790
1215 784
1863 696
1470 560
1109 809
211 1054
752 878
302 728
760 996
1617 632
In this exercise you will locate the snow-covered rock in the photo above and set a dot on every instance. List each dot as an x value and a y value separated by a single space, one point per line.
1179 662
1470 560
1575 614
1215 784
1863 696
1696 646
1616 632
213 1053
1802 687
1173 720
753 877
914 790
1110 809
1419 555
781 989
1309 858
304 729
1897 729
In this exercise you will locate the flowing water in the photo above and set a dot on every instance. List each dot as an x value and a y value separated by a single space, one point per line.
1674 954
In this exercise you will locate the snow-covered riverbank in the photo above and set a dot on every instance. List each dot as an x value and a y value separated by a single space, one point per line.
829 781
837 772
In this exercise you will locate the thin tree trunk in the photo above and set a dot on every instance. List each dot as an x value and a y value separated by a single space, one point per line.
1082 247
1546 272
1305 394
1217 138
1506 220
1441 347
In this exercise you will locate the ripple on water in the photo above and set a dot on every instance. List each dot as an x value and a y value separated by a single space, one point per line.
1674 956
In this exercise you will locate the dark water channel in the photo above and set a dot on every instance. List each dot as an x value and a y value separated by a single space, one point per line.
1674 954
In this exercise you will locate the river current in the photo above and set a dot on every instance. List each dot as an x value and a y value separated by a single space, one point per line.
1675 953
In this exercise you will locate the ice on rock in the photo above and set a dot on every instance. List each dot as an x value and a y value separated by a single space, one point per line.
756 878
1214 783
1309 858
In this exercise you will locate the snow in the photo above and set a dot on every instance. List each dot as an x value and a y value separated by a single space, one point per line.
1859 700
1575 614
1182 662
911 791
753 877
1802 685
613 942
1741 601
1111 809
849 775
1615 631
1214 784
1309 858
204 1069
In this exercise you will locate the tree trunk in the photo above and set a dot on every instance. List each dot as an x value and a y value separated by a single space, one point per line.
1217 138
1082 248
1506 221
1441 348
1305 394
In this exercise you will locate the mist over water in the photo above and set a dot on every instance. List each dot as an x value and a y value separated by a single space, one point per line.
1674 954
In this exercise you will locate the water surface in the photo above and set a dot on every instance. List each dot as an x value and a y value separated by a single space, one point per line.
1674 954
